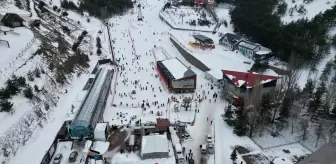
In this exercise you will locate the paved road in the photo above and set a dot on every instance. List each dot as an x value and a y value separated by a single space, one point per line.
203 128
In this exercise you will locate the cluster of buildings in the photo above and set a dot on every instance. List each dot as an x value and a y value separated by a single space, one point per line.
249 49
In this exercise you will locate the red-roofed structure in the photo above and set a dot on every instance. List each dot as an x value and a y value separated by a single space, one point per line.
239 85
248 79
162 124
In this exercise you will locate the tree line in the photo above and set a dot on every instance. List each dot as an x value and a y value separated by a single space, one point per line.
100 8
304 39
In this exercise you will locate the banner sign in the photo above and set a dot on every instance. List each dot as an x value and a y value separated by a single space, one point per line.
189 83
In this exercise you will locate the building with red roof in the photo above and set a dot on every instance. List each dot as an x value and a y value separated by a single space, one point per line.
238 85
162 124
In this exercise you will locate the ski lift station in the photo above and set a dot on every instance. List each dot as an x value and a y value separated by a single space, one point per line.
92 108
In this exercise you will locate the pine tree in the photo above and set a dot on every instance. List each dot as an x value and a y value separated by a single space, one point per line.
65 14
316 103
282 8
225 23
99 52
309 87
12 87
6 106
332 112
37 73
36 89
228 113
98 42
21 81
30 76
286 106
233 155
28 92
240 126
4 94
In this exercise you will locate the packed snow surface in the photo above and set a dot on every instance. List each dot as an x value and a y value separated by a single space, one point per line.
313 8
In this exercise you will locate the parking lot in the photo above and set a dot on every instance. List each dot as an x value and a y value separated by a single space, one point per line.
64 148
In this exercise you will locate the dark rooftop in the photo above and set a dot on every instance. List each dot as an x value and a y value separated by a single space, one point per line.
203 39
324 155
232 38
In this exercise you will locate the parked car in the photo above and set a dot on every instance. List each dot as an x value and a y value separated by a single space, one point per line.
209 138
203 149
73 156
58 158
210 148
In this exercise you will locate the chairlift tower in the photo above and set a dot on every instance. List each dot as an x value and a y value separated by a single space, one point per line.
140 17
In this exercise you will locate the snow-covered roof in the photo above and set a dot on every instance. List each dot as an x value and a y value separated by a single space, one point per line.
323 155
175 67
87 146
85 115
101 126
20 12
263 52
249 79
248 44
217 74
100 146
93 161
154 143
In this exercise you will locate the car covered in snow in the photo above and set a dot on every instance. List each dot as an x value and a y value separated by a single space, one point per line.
210 148
204 149
73 156
209 138
58 158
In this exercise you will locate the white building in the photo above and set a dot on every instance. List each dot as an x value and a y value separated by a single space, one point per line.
154 146
101 131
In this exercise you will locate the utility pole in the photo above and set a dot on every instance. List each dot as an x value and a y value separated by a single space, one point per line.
182 15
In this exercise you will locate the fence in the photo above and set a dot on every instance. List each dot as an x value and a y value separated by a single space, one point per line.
132 40
183 29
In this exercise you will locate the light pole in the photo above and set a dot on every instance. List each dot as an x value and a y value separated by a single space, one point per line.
182 15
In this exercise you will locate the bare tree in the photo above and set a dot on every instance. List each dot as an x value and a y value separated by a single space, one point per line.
253 106
286 85
304 125
294 74
278 96
295 112
330 131
62 45
319 131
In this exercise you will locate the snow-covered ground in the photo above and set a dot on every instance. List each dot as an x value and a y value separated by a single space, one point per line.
180 17
215 59
312 9
223 13
135 44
